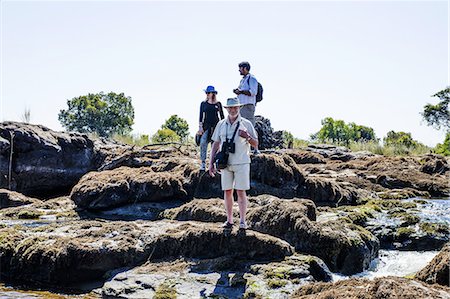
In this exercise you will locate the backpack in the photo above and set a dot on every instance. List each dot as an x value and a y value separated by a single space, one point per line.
259 93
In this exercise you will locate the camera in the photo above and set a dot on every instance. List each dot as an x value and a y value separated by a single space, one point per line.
228 147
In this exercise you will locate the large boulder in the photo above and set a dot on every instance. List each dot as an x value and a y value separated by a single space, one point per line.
44 162
65 253
437 271
383 287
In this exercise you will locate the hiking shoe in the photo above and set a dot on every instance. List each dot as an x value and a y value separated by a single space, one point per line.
227 225
243 225
203 167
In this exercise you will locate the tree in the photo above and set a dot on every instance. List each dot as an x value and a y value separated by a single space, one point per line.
104 114
400 138
438 116
444 148
338 132
165 135
178 125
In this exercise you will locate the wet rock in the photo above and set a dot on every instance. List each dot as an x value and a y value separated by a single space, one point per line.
77 251
216 278
14 199
437 271
384 287
41 212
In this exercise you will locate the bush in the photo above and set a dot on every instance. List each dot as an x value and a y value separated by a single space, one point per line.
165 135
139 140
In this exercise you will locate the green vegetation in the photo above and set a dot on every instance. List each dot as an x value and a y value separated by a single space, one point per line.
165 290
288 139
139 140
406 218
404 232
338 132
434 228
444 148
104 114
165 135
177 125
438 116
276 283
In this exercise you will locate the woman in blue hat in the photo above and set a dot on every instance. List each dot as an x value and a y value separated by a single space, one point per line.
211 112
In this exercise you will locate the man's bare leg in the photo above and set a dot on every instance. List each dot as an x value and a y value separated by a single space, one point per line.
228 201
242 202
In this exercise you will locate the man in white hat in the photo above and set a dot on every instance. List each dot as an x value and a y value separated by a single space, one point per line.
236 175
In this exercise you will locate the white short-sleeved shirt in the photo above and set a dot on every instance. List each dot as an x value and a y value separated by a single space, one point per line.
225 130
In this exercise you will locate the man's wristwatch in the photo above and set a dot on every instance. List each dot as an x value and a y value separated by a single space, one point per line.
249 138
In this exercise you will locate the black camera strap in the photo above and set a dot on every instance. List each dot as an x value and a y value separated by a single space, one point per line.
234 134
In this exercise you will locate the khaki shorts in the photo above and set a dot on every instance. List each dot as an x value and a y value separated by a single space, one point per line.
236 177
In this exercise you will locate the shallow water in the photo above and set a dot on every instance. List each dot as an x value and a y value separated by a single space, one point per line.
394 263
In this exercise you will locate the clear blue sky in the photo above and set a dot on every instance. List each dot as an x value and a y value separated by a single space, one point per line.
375 63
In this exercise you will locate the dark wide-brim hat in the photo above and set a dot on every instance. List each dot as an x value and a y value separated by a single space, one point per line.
197 139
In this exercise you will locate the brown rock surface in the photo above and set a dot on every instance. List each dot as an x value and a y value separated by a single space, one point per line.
76 251
379 288
437 271
345 247
14 199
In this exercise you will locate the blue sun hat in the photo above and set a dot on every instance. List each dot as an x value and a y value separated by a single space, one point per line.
210 89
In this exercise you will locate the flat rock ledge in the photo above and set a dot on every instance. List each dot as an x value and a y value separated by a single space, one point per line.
216 278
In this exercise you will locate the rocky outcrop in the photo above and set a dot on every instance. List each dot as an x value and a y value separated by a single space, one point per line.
344 247
437 271
64 253
44 162
268 139
14 199
216 278
384 287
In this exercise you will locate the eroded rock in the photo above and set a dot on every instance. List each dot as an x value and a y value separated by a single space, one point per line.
77 251
437 271
384 287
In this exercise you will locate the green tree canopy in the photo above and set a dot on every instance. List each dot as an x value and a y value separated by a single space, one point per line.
438 116
338 132
444 148
178 125
104 114
400 138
